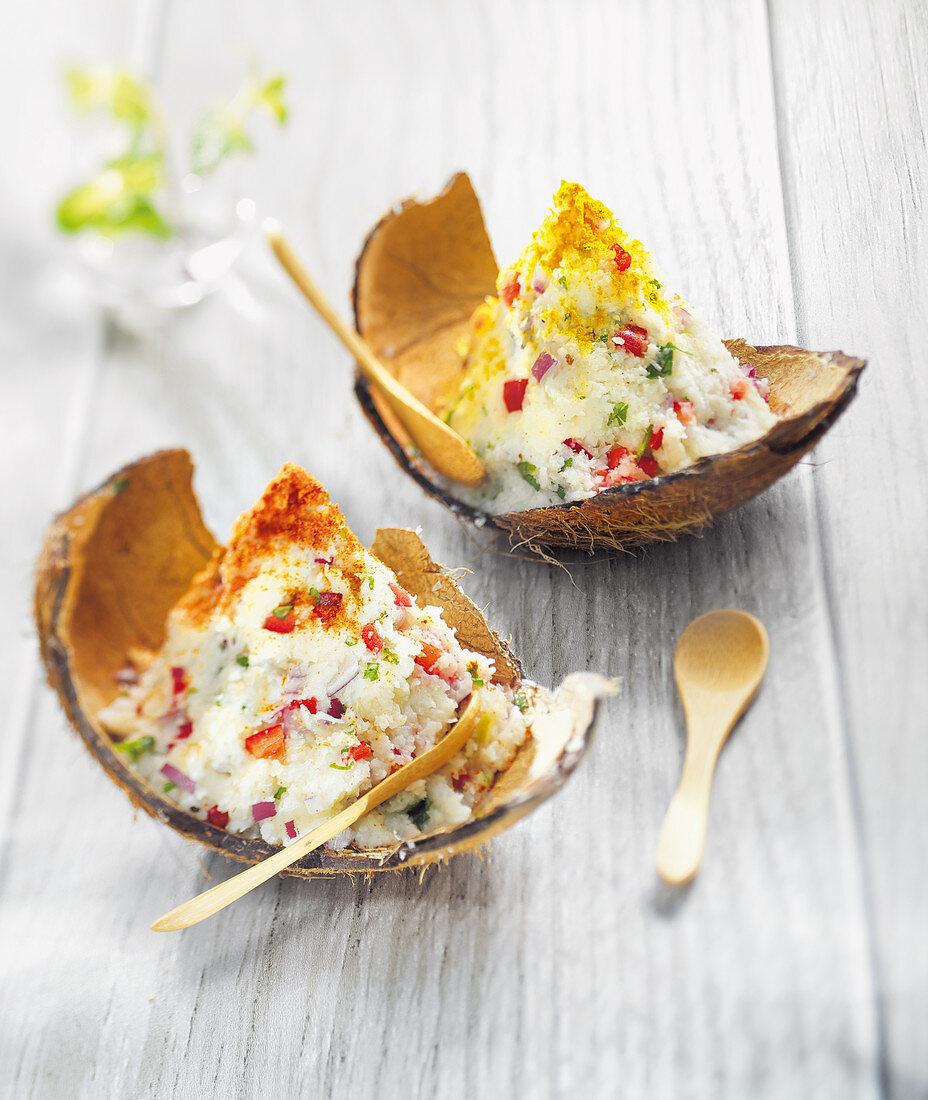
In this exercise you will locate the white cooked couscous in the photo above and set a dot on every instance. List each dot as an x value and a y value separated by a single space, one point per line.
296 673
584 373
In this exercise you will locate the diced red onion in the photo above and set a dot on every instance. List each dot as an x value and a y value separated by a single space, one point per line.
291 830
294 682
748 370
177 776
343 680
542 365
262 810
539 286
169 724
323 561
683 314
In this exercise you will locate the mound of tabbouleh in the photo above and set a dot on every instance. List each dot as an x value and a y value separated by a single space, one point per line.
584 373
296 673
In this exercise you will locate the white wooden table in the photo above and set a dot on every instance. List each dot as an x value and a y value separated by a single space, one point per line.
775 159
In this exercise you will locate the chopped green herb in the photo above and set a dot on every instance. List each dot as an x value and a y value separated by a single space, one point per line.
664 362
168 787
521 702
569 461
190 691
529 470
604 339
314 595
475 679
370 583
372 672
282 611
563 282
643 446
389 655
618 415
340 767
121 484
462 396
655 285
242 659
561 491
137 748
279 793
418 812
353 642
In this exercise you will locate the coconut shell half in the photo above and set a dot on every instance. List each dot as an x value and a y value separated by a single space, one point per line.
114 565
425 268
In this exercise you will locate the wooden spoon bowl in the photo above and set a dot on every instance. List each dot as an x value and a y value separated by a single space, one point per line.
720 661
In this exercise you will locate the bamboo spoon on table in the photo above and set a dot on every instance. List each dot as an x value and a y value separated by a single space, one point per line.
440 446
720 661
211 901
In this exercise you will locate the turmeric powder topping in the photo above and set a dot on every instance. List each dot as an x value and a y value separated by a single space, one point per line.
584 373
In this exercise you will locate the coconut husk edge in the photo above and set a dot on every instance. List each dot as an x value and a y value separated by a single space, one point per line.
114 564
400 273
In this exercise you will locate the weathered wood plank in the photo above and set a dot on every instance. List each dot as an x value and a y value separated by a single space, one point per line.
559 967
852 96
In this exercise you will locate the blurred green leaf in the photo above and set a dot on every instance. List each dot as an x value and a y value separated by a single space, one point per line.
113 90
118 200
220 132
216 137
123 197
271 96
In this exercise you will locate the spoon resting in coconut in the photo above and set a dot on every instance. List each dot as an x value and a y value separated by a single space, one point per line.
443 448
605 412
348 663
211 901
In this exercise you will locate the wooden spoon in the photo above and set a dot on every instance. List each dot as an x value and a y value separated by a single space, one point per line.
440 446
720 661
211 901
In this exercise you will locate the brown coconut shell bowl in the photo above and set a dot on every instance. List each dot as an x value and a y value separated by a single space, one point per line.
425 268
115 563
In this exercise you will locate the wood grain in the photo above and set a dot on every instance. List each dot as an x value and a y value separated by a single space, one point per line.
775 162
855 165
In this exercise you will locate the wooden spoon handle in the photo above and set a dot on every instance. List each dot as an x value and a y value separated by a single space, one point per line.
683 836
218 897
367 361
440 446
